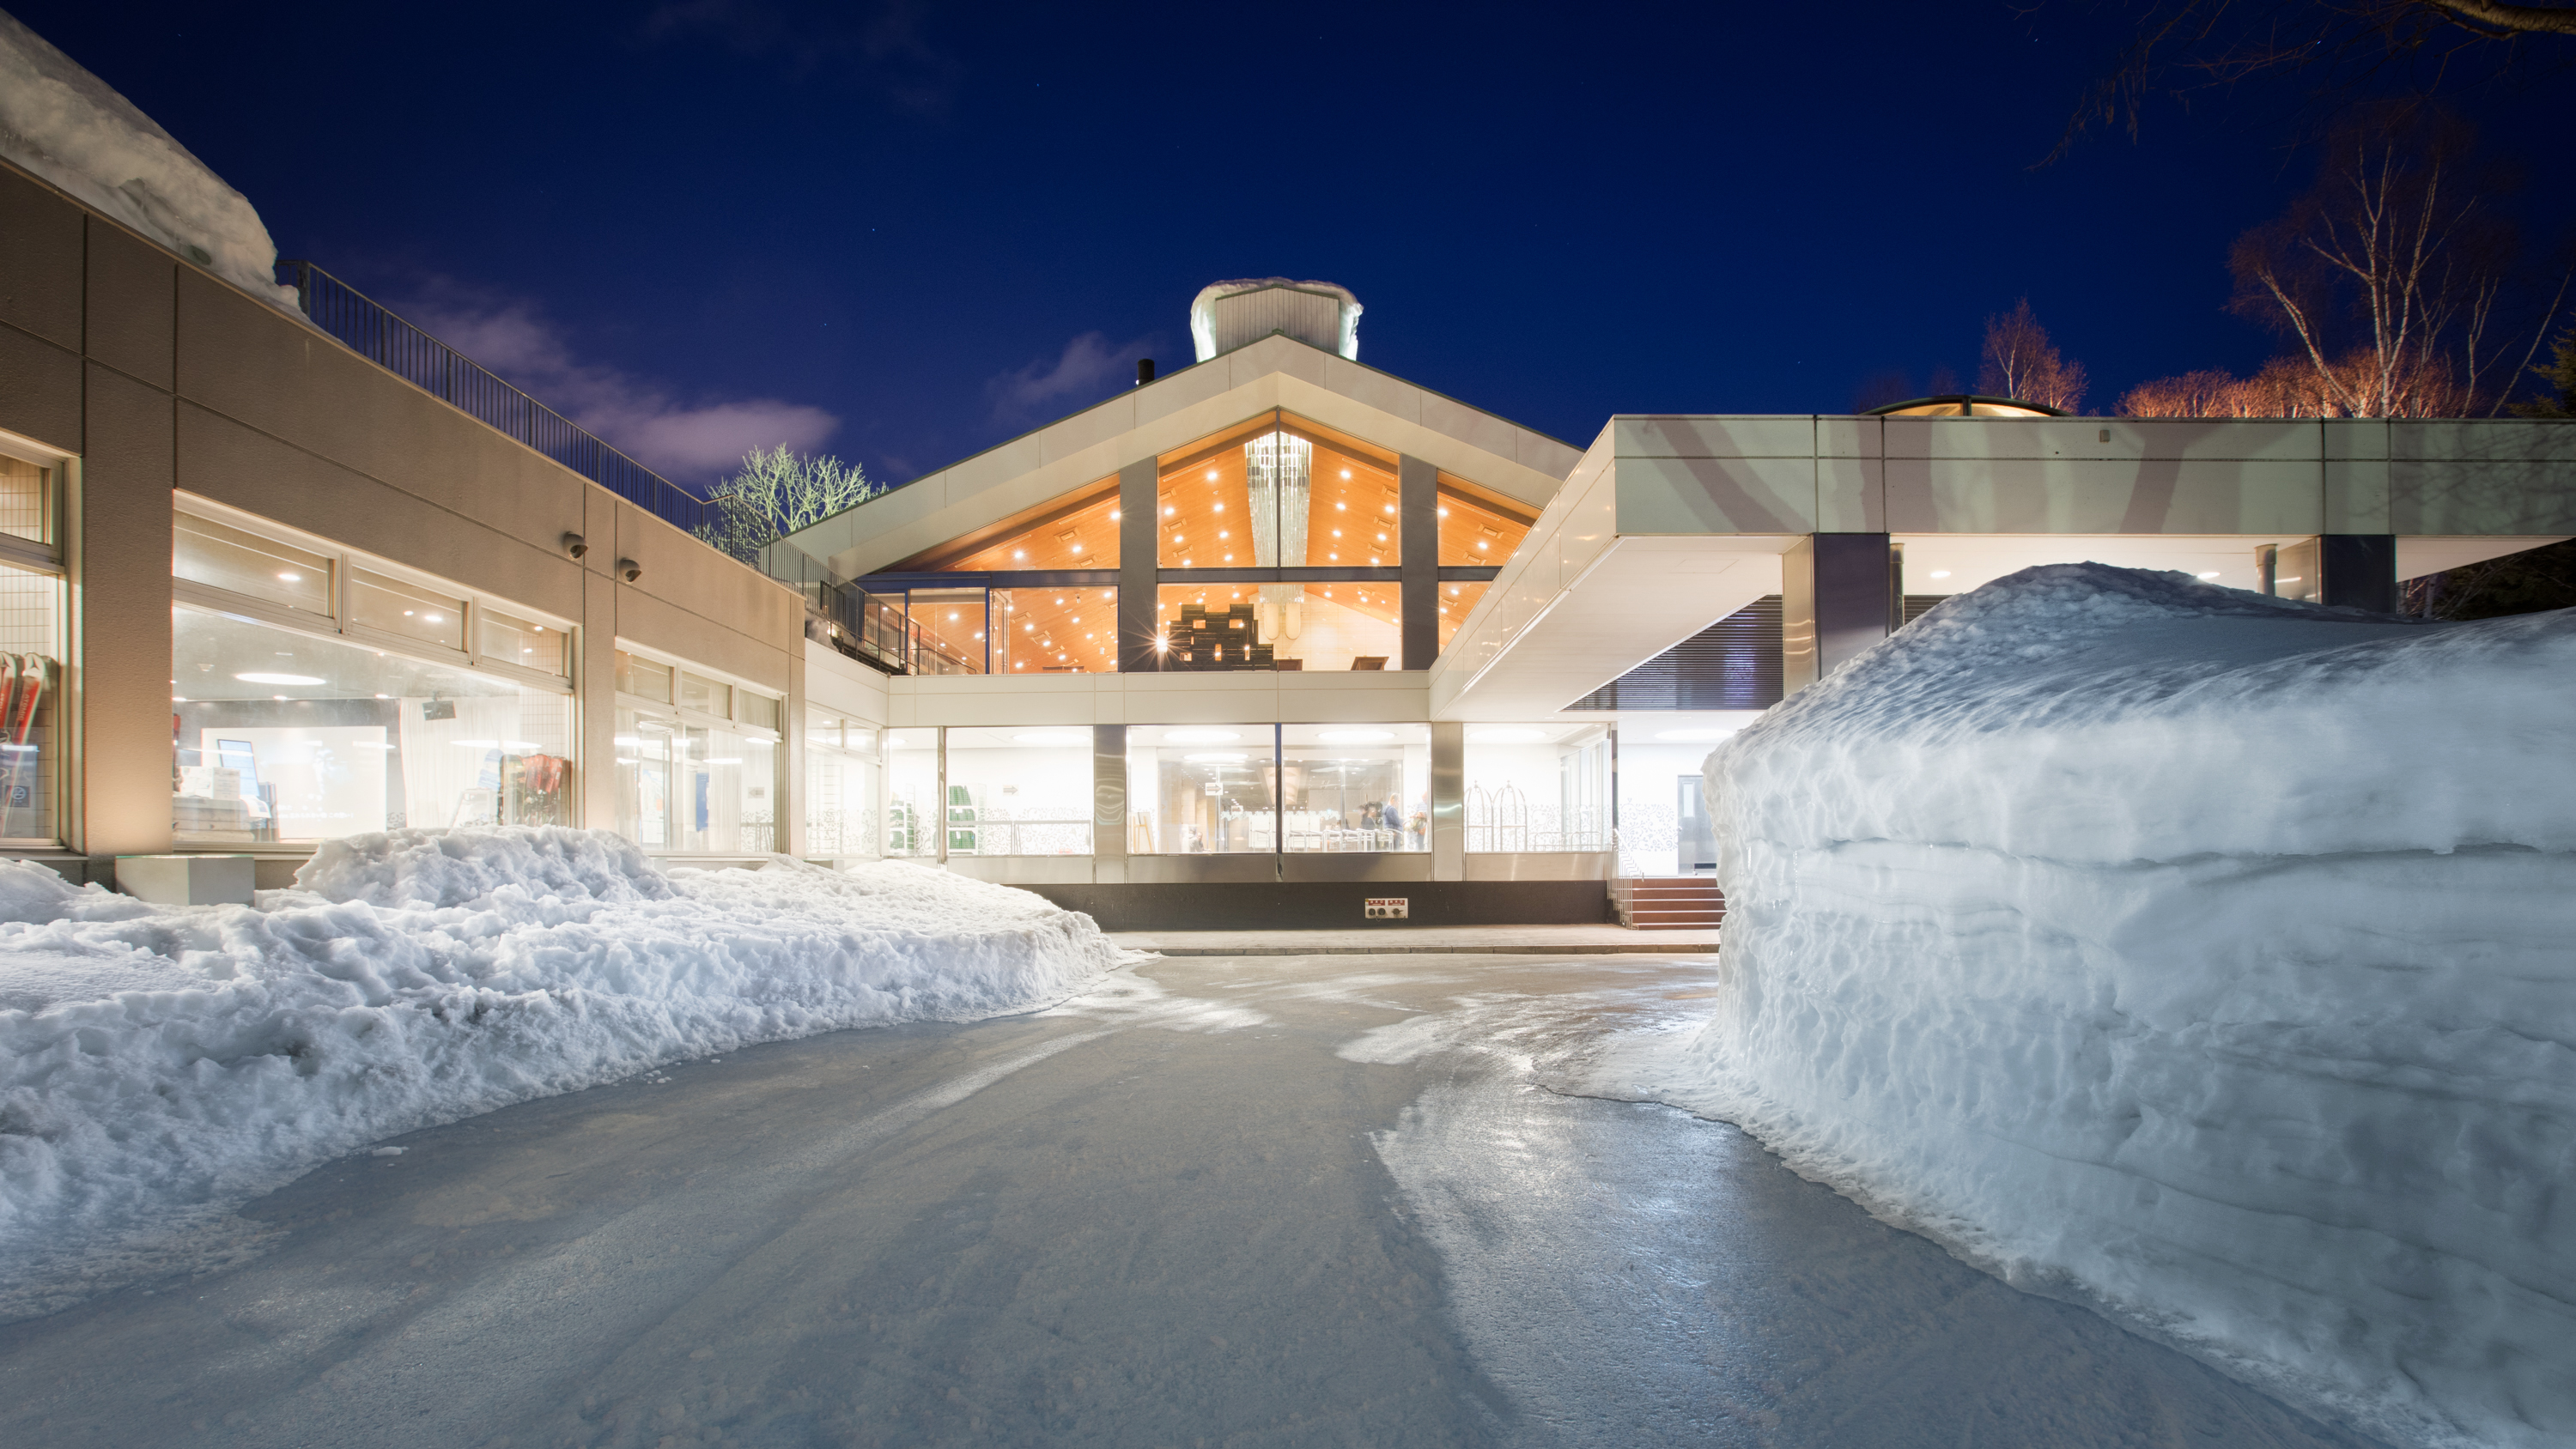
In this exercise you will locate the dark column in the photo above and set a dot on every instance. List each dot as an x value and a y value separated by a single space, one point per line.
1839 594
1417 504
2360 570
1136 538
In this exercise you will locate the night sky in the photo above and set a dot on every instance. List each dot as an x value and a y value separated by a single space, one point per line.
902 235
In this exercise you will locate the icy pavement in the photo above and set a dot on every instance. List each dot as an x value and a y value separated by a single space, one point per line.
1283 1201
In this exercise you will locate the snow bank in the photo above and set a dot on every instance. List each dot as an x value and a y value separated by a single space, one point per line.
2207 958
71 128
160 1062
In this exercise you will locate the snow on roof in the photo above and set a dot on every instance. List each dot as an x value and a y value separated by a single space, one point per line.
73 129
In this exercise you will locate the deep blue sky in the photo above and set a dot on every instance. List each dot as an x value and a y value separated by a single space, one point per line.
901 223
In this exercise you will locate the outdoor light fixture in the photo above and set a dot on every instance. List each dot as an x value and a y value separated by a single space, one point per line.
292 578
573 544
2213 573
1940 573
629 570
277 679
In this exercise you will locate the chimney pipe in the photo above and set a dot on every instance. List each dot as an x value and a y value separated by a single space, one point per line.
1144 371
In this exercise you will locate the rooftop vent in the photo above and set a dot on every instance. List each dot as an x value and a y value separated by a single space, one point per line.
1227 315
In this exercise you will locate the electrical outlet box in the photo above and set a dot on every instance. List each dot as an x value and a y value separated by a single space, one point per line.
1388 908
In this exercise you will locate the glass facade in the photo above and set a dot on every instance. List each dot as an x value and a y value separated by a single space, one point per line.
1341 626
1019 791
1077 531
284 736
842 767
1278 492
1479 528
1357 787
696 773
912 790
1056 630
1457 600
1202 789
1543 787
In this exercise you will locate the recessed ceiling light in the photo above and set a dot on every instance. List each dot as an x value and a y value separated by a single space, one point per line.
1354 737
1508 736
1693 737
277 679
1200 737
1212 759
2213 573
1940 573
1050 737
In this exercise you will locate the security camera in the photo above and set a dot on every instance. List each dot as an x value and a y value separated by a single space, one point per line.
573 545
629 570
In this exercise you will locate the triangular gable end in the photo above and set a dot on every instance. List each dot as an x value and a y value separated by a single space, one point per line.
1044 468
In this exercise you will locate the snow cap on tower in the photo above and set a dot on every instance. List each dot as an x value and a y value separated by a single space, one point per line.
1229 314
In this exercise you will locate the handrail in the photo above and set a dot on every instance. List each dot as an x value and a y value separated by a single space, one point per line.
376 334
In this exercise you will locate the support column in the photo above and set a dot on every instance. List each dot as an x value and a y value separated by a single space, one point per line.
2360 570
1109 804
117 553
1137 535
1417 507
1448 800
1839 594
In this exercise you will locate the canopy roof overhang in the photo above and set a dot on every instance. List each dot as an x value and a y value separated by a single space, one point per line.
1670 523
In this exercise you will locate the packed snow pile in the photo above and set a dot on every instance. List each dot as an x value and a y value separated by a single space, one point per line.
160 1063
2203 957
73 129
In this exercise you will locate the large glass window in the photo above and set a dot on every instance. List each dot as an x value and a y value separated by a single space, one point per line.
281 736
1338 626
26 500
1664 827
1457 600
947 631
841 764
1479 528
1019 791
1357 787
1278 492
1538 787
912 793
1056 630
697 773
1076 531
1201 789
31 754
240 562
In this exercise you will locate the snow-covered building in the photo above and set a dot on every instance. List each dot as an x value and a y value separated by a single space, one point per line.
1255 640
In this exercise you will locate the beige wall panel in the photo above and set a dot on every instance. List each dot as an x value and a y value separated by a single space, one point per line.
40 260
40 390
1716 495
244 360
1850 437
982 700
669 629
2535 497
685 574
841 686
132 287
2490 439
1714 437
2026 496
1356 697
122 619
1403 401
225 461
1200 699
1851 495
596 685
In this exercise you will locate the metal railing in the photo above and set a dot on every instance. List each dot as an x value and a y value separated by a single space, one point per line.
457 380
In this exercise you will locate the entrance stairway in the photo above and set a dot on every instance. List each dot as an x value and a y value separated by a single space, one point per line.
1668 902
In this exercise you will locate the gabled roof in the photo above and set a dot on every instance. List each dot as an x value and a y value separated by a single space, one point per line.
1172 412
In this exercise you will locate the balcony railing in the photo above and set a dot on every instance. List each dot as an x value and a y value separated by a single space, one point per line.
457 380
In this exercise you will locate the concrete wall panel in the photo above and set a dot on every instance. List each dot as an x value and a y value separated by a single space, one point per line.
40 390
132 291
2074 496
2491 496
121 619
2499 440
40 244
1715 437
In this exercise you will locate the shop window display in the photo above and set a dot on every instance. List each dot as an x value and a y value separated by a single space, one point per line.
1537 787
1356 788
841 769
1201 789
1018 791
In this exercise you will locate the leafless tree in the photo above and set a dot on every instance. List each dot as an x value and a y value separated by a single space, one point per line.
2182 47
2020 362
2390 273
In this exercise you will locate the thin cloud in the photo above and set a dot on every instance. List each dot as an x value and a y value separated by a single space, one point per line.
1088 370
688 441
